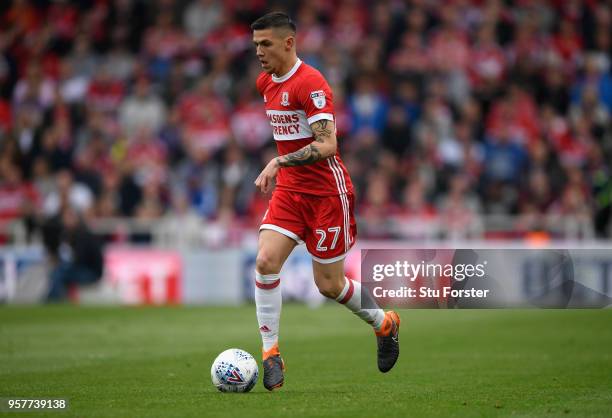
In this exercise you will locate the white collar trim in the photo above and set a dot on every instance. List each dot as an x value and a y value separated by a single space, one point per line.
289 74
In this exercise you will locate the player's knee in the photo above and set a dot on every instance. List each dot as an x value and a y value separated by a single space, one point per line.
266 263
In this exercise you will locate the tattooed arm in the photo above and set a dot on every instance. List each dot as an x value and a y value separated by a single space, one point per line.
323 146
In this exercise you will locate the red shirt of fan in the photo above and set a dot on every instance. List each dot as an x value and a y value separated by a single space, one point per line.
293 102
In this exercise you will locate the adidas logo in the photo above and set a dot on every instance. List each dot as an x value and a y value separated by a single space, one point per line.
264 328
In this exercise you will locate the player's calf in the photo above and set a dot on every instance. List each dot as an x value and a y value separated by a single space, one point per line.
268 302
386 326
350 296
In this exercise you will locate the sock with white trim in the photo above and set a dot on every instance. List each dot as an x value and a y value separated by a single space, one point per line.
351 298
268 301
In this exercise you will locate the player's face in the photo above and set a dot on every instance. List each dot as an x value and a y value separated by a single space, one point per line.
272 48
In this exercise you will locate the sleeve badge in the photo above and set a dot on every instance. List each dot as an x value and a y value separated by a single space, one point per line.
318 98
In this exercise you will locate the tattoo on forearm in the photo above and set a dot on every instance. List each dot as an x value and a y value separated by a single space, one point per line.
307 155
310 153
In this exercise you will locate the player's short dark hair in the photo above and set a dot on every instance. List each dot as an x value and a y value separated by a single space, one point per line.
274 20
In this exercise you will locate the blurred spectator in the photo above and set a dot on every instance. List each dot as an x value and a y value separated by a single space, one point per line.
571 215
515 114
126 22
417 217
407 96
204 118
367 105
36 91
67 194
58 145
553 89
436 112
163 42
43 181
348 24
590 110
200 176
461 151
65 17
567 44
250 126
18 198
230 36
83 61
237 180
597 75
146 157
75 252
181 217
22 15
397 135
311 36
142 110
449 47
538 194
73 86
460 210
543 158
26 134
335 66
105 94
505 158
201 17
152 204
411 58
377 207
487 65
120 63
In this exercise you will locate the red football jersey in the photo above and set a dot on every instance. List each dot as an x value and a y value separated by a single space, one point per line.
293 102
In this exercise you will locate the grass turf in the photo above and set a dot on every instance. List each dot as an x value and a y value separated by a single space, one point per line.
155 362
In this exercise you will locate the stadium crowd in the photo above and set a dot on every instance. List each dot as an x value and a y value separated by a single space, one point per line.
449 113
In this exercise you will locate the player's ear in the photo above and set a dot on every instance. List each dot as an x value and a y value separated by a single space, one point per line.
289 42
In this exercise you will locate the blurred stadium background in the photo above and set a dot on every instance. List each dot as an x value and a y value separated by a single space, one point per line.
464 121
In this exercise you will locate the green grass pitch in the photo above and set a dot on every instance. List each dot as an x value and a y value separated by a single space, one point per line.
155 362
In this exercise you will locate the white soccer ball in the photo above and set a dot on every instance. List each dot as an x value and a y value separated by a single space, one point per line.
234 370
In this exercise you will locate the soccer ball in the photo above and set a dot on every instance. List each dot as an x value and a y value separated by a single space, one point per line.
234 370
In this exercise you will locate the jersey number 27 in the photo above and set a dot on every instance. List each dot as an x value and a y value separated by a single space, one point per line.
322 235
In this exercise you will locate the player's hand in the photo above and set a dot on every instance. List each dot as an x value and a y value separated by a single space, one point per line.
265 180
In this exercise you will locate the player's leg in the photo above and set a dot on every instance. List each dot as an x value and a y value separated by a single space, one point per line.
330 235
273 250
282 228
332 283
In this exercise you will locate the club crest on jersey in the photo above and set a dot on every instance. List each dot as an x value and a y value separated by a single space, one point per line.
284 98
318 98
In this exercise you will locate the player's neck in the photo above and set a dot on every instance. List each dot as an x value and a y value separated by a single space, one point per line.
288 65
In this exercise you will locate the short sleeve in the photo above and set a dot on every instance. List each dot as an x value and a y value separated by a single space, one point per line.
259 83
316 98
